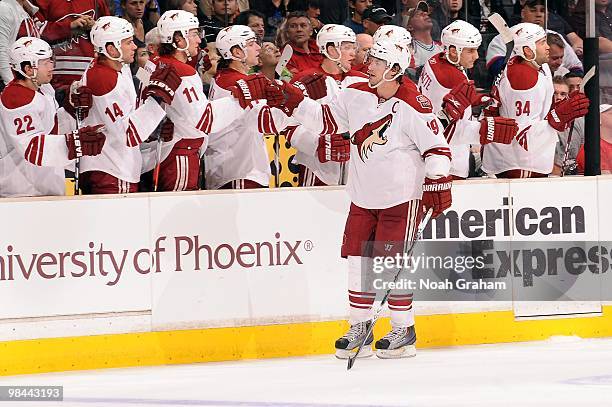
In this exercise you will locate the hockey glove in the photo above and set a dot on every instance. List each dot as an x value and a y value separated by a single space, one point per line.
437 195
205 62
497 130
85 141
167 131
461 97
162 85
290 97
252 88
79 98
313 86
577 105
333 147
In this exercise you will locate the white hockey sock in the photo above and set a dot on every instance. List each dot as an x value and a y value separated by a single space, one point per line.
400 307
360 301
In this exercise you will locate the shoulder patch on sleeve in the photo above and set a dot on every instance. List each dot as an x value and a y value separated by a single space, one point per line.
226 78
101 79
521 76
15 96
416 100
446 74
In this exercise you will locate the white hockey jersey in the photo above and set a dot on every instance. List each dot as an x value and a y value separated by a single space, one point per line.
437 79
191 112
238 151
395 143
524 94
33 151
306 142
114 105
497 49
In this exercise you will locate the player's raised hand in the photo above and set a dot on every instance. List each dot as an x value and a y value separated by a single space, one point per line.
333 147
437 195
163 84
87 140
79 97
497 130
313 86
461 97
577 105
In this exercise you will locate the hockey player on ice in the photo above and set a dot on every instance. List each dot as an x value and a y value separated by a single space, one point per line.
524 92
194 118
400 164
320 158
444 81
237 157
37 139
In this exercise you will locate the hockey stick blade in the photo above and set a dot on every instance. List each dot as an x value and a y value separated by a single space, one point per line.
586 78
502 28
284 59
421 228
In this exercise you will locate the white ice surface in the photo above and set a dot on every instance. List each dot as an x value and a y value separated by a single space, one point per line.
558 372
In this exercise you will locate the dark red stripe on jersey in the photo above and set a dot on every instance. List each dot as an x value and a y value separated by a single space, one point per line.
329 124
55 126
205 123
265 122
41 149
445 151
289 133
449 131
32 151
133 138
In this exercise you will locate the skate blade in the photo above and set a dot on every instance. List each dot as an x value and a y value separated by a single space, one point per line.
365 352
407 351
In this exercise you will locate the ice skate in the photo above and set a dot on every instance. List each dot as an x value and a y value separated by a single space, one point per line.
347 344
399 343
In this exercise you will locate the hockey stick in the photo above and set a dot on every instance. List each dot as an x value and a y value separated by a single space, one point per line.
424 222
342 180
284 60
502 28
77 161
586 78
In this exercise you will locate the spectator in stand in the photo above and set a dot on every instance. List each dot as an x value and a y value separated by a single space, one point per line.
334 12
533 11
605 143
269 55
355 22
480 10
420 26
255 21
152 41
274 11
447 12
562 92
151 14
555 56
187 5
364 43
603 25
574 80
205 7
133 11
67 30
17 19
223 16
373 18
306 53
314 11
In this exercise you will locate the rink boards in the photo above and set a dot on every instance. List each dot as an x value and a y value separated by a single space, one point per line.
154 279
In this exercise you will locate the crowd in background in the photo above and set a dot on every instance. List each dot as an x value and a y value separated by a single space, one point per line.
295 23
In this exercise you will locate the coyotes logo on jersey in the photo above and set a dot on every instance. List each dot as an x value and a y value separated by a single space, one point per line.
370 135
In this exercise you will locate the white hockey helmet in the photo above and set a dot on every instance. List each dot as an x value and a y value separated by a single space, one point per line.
335 34
392 53
393 33
110 29
234 36
28 49
176 20
526 35
459 34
